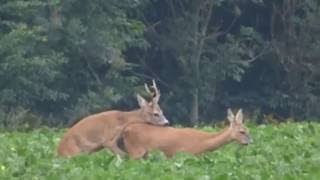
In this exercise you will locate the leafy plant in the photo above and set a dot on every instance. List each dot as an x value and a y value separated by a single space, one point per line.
285 151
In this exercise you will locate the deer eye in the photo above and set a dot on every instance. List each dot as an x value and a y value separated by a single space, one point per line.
156 114
242 132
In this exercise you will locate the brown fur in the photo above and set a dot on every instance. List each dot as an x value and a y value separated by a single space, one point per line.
139 139
102 130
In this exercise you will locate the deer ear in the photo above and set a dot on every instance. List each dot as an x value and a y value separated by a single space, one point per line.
239 117
142 102
230 116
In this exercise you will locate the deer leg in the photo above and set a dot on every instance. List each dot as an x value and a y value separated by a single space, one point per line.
114 148
68 147
145 156
139 153
136 152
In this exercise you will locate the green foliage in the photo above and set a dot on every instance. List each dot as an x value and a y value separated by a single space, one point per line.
67 59
27 71
298 54
203 53
286 151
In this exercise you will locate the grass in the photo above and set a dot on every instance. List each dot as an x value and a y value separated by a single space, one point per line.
286 151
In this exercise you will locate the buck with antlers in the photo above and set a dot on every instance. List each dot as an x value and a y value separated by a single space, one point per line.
101 130
139 139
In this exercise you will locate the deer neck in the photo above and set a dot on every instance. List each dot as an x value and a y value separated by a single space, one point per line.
219 139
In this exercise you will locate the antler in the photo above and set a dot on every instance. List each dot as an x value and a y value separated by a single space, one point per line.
156 94
148 90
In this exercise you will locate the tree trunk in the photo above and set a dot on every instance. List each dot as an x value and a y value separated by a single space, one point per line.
55 18
196 83
195 107
201 23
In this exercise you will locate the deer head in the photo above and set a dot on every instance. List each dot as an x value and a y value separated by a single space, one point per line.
151 110
238 131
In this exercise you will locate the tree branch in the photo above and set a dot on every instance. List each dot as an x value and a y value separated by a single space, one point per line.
258 55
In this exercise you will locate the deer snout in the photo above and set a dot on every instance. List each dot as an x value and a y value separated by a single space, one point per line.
166 122
247 140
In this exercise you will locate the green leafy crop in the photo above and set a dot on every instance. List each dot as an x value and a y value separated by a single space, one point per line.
287 151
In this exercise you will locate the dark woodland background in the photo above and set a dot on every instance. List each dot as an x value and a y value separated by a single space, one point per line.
61 60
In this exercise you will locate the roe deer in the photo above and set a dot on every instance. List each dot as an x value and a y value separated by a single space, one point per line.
138 139
101 130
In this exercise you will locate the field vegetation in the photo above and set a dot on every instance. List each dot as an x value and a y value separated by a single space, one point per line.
284 151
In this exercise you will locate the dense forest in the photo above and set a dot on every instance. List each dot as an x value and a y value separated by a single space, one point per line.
61 60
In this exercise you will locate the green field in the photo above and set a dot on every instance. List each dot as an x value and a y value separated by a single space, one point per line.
286 151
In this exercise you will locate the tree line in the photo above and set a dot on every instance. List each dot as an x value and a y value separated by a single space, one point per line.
62 60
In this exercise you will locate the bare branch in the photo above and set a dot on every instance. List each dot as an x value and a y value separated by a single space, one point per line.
258 55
